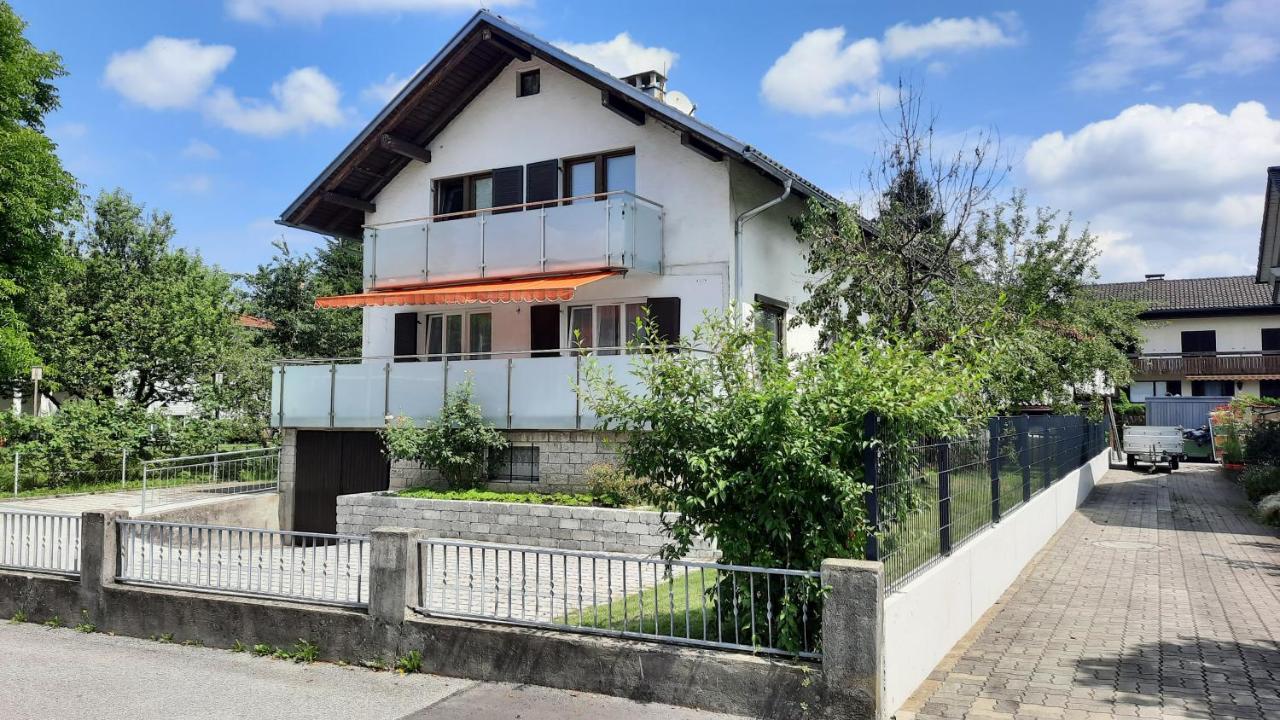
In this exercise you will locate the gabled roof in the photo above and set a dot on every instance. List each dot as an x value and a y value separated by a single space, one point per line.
1235 294
1269 242
335 202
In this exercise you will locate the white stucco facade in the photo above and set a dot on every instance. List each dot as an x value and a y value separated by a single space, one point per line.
1232 333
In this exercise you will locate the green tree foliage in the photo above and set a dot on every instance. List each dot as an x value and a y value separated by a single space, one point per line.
129 316
460 444
243 399
37 196
284 291
764 454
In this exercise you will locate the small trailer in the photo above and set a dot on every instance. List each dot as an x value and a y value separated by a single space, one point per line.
1153 444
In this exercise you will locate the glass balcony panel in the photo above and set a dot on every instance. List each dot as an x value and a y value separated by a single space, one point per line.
542 393
306 396
512 244
620 368
575 237
488 386
401 255
416 391
645 227
453 250
359 394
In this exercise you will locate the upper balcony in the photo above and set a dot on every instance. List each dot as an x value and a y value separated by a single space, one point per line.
1208 365
614 230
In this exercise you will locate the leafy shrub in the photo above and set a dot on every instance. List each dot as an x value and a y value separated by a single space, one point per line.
410 663
460 445
19 616
305 651
1269 509
1260 481
523 498
53 622
262 650
238 647
611 486
1263 445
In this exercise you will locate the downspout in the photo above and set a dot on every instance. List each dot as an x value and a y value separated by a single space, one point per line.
742 220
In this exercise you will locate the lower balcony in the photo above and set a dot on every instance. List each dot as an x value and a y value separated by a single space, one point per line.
514 390
1202 366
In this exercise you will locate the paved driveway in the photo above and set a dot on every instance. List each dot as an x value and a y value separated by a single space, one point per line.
1159 598
60 673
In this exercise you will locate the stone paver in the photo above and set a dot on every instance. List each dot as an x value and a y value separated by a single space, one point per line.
1159 598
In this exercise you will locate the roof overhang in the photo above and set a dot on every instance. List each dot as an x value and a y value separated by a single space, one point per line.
1269 243
335 202
560 288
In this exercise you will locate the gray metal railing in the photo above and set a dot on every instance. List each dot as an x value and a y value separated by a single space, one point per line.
185 479
44 542
310 567
729 607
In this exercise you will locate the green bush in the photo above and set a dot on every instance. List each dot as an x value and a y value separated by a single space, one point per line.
1269 509
611 486
1263 445
523 498
460 445
1260 481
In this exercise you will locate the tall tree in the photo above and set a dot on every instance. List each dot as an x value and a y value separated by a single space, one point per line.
284 291
129 316
37 196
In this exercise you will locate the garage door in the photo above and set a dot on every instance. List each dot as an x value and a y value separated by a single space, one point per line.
330 464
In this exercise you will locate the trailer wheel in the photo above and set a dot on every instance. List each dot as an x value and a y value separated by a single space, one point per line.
1131 462
1173 464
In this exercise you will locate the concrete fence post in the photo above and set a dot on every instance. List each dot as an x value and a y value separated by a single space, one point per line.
99 556
853 637
393 572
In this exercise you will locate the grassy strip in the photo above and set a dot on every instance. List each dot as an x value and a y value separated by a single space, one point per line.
523 498
656 610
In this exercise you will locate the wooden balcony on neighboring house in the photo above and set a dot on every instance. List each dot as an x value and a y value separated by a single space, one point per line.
1227 365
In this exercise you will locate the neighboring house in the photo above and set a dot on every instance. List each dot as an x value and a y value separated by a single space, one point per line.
520 207
1204 336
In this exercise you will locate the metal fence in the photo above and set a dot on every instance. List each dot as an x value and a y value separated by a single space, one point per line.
729 607
30 474
45 542
934 497
311 567
184 479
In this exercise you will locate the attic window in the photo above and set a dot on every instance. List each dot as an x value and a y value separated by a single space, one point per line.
530 83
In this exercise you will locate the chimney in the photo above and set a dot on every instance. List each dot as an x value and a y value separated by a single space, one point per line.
1154 276
651 82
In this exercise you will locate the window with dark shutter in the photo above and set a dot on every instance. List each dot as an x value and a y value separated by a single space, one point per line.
508 186
1199 341
406 336
1270 339
542 180
1269 388
665 313
544 330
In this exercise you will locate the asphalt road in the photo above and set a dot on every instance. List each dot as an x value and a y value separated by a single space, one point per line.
59 673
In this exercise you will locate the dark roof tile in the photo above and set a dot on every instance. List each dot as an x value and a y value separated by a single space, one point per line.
1234 292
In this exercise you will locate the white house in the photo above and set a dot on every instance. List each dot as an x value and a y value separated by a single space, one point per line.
520 207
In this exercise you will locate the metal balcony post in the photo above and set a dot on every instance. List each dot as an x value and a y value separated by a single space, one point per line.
333 384
608 246
482 256
281 425
386 390
373 258
509 361
426 252
542 237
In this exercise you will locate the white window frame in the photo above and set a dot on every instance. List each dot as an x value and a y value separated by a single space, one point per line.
566 329
464 353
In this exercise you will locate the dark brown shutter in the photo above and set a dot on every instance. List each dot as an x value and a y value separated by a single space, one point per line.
406 337
543 181
508 186
544 330
666 316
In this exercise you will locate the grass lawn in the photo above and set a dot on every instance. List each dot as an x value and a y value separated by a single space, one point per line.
657 610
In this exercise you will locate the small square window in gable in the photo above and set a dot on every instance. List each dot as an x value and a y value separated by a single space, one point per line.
530 83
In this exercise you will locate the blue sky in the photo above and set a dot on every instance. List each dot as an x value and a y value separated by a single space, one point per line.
1153 121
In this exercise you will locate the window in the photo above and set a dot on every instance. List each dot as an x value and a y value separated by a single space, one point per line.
460 194
1199 341
609 326
517 463
449 336
529 83
1270 339
595 174
1173 388
1269 388
1213 388
771 316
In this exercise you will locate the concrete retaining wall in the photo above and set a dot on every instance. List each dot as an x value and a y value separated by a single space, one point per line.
927 617
259 510
566 528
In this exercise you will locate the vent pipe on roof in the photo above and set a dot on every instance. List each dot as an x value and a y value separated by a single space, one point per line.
1154 276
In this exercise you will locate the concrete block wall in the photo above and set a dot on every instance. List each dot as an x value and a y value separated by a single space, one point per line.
566 528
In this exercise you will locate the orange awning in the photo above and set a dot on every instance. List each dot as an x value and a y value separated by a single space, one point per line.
559 288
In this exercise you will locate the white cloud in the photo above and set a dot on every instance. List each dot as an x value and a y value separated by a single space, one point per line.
200 150
317 10
622 56
823 74
193 184
1130 39
1175 190
381 93
167 73
944 34
305 98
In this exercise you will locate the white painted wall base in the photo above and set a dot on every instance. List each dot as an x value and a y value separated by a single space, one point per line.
927 617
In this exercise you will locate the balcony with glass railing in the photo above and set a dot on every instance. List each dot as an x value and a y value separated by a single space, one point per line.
513 389
614 230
